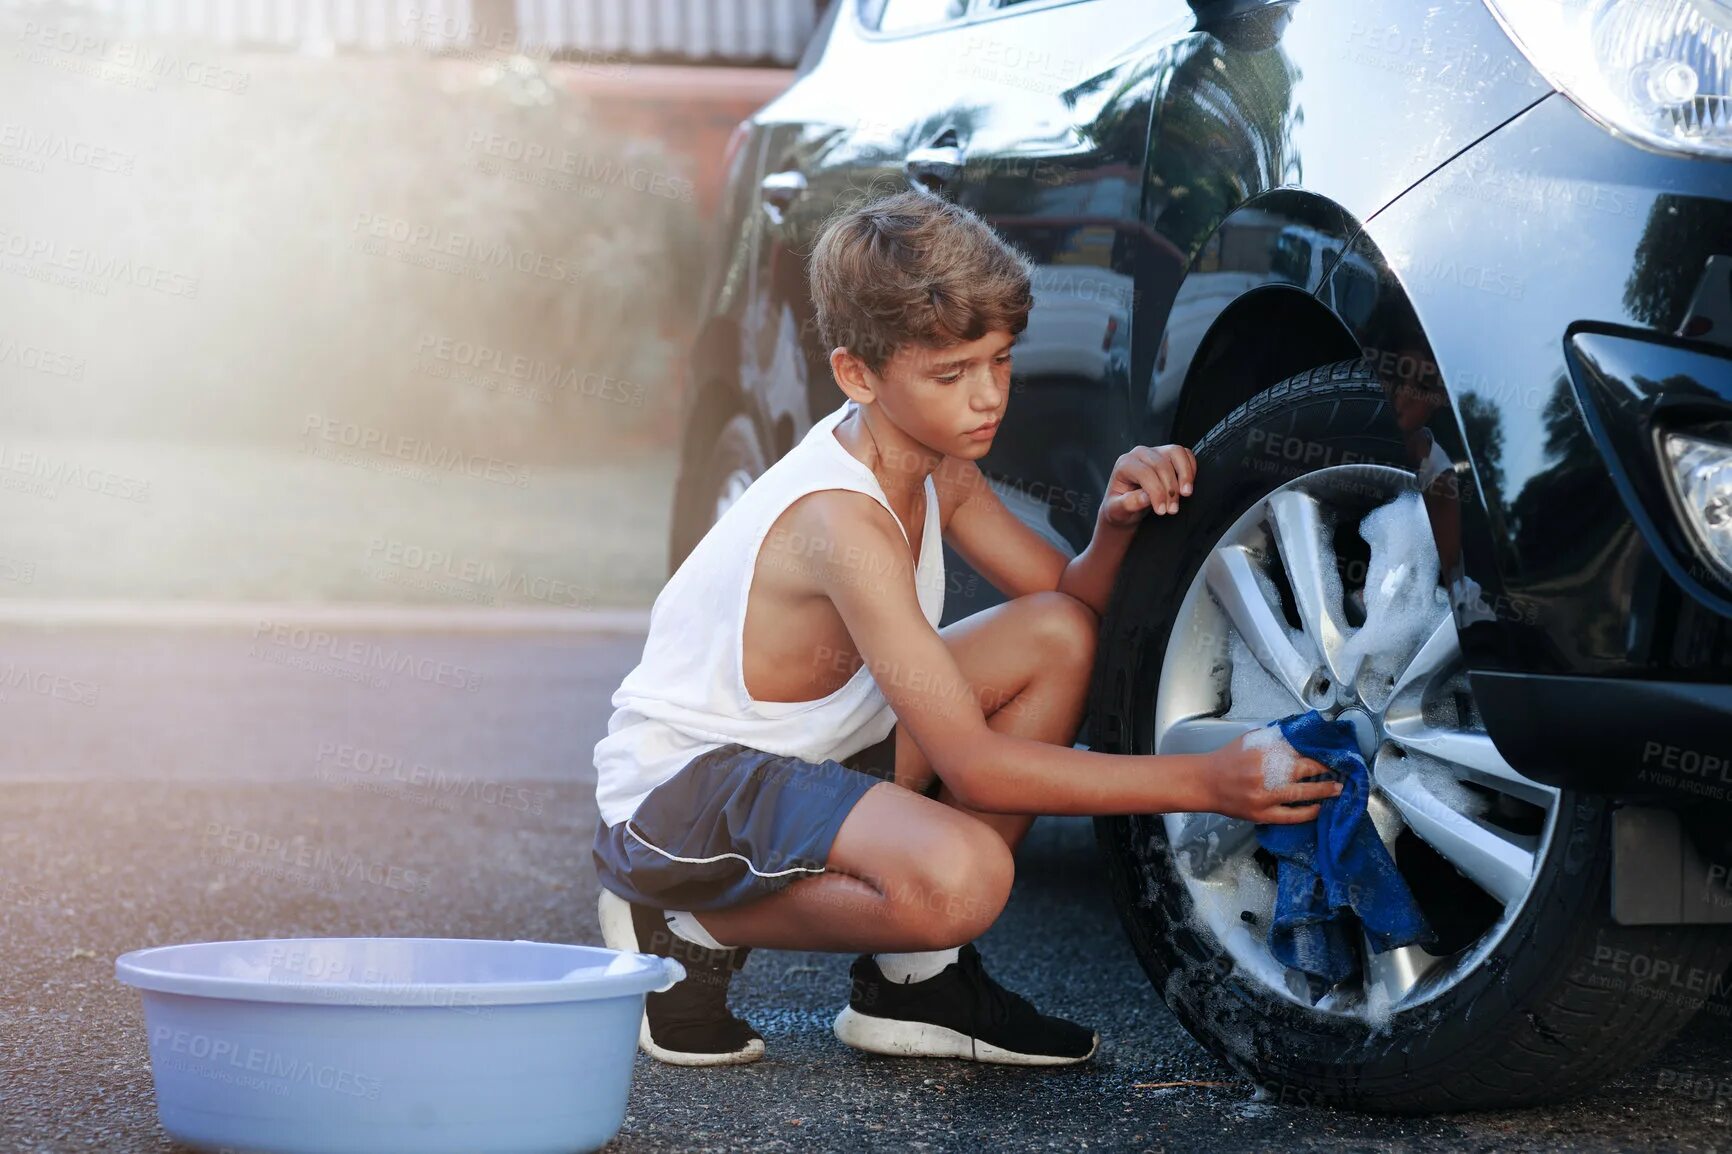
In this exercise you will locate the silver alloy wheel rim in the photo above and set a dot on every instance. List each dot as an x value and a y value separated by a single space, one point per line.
733 486
1417 752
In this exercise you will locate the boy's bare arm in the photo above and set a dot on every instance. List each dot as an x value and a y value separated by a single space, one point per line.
1017 560
1014 559
871 583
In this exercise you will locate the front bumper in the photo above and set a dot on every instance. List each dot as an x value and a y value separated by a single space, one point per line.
1665 742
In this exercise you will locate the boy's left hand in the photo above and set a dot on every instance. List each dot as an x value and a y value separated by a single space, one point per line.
1149 477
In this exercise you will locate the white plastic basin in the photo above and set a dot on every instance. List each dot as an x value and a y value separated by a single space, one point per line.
375 1045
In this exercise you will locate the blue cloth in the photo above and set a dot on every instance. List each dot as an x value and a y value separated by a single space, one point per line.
1334 874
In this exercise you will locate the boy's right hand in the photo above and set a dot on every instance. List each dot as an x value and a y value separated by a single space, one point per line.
1237 784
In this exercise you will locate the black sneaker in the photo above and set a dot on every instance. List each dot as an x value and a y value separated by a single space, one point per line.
958 1013
688 1025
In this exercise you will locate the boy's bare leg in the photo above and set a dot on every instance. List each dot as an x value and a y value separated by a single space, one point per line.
904 873
907 873
1029 661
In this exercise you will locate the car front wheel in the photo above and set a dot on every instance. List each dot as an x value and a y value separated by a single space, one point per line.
1304 574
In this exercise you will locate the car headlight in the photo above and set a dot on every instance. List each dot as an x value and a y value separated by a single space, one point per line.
1700 475
1654 70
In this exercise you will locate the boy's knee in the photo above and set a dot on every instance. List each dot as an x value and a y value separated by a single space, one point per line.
965 884
950 886
1068 629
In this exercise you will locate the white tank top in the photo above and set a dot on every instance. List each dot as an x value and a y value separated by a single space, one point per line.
688 693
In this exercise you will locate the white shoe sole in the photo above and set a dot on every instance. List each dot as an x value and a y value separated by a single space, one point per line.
618 933
925 1040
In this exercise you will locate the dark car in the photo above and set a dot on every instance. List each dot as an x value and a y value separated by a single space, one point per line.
1438 292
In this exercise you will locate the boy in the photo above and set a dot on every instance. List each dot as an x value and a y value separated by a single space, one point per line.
802 760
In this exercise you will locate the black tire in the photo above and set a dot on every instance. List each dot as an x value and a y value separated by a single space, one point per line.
735 449
1539 1019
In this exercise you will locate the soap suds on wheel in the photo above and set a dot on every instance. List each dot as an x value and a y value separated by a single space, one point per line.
1401 606
1253 692
1219 905
1440 781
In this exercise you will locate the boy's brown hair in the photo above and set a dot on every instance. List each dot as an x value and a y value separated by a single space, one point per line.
914 268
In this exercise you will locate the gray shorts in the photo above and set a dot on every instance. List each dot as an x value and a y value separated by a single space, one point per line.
735 824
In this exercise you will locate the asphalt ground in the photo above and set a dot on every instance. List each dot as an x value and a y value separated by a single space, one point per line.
129 755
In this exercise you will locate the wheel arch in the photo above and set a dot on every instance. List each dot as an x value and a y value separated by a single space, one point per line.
1242 279
1264 336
